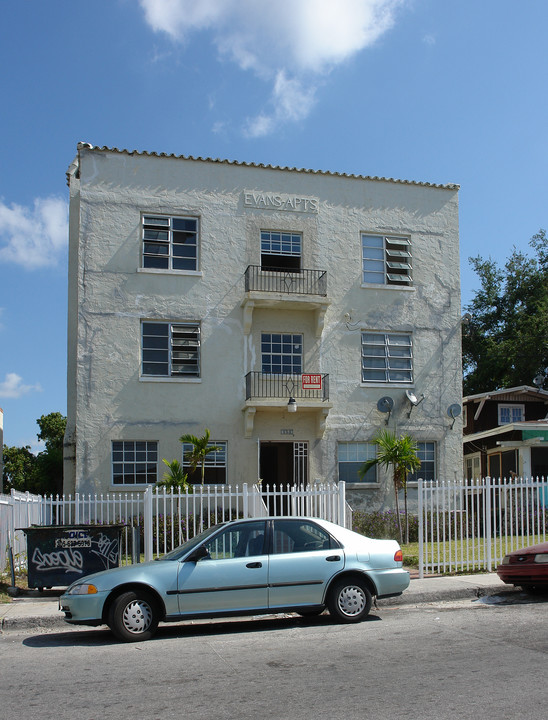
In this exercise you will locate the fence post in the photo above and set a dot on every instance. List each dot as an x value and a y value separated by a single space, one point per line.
421 530
487 527
342 504
147 523
245 499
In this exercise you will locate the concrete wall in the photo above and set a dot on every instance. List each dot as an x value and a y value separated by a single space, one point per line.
109 295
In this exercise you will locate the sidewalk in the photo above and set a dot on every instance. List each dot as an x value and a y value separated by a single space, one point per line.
37 610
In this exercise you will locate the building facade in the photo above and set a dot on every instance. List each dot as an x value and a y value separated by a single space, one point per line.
293 313
506 434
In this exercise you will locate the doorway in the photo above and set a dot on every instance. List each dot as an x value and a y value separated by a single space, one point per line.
282 464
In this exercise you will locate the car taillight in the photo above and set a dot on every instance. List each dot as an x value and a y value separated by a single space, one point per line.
398 556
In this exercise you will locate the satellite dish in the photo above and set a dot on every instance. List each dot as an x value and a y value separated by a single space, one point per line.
454 411
413 400
385 405
538 380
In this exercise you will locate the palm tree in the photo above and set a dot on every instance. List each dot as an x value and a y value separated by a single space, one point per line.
201 448
174 477
399 453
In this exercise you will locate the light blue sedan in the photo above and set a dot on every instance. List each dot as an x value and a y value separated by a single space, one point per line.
258 566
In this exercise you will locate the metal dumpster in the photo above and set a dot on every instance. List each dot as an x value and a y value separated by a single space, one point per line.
57 555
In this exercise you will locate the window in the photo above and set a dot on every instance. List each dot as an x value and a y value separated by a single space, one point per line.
352 456
134 462
170 243
243 540
386 260
387 357
171 349
511 414
282 353
427 455
281 251
292 536
215 464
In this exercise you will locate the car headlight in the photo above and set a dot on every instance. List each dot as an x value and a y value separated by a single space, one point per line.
506 560
82 589
541 557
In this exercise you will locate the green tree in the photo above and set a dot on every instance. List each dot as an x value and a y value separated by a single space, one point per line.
19 469
42 473
505 343
201 448
174 478
398 454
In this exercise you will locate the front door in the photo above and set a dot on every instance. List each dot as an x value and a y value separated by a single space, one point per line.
282 464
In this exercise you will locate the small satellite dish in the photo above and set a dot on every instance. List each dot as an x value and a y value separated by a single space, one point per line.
538 380
385 405
454 411
413 399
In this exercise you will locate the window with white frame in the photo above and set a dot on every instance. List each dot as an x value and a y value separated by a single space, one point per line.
387 357
215 464
511 413
134 462
282 353
281 250
351 457
386 260
170 349
170 243
426 452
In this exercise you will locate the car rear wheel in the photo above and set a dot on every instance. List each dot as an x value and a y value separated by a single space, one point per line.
349 600
133 616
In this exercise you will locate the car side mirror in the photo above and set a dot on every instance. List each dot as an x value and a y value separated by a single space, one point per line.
197 554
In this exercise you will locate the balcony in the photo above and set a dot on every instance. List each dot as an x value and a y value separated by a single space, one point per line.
283 289
271 392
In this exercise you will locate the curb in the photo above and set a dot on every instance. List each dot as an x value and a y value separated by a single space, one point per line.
472 592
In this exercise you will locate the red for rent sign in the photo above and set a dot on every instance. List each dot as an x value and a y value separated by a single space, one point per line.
312 382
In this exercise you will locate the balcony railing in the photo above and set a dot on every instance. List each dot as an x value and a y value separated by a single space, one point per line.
311 386
303 282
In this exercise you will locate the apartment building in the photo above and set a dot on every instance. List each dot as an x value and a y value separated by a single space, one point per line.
294 313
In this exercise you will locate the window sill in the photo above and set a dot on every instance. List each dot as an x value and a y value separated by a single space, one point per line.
363 486
163 379
382 286
387 385
161 271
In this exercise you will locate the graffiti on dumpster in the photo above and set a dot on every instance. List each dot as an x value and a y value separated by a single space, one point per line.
66 560
67 554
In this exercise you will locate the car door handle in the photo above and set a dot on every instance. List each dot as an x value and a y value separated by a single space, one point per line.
254 565
333 558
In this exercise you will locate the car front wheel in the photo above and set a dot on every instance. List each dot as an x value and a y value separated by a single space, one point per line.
133 617
349 600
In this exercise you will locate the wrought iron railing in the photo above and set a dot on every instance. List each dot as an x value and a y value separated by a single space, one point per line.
302 282
312 386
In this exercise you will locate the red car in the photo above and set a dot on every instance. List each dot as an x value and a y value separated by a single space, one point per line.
527 567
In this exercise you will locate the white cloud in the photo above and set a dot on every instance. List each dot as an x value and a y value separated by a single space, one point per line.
289 43
13 387
34 237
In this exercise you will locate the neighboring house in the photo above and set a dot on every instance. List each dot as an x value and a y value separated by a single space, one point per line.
291 312
506 434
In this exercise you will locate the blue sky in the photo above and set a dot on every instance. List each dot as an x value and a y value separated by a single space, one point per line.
426 90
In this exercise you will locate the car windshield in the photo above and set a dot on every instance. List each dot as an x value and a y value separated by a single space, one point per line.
189 545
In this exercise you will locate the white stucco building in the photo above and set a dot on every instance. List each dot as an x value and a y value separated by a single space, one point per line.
208 294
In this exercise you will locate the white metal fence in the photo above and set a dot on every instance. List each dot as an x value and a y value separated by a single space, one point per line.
471 525
158 520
